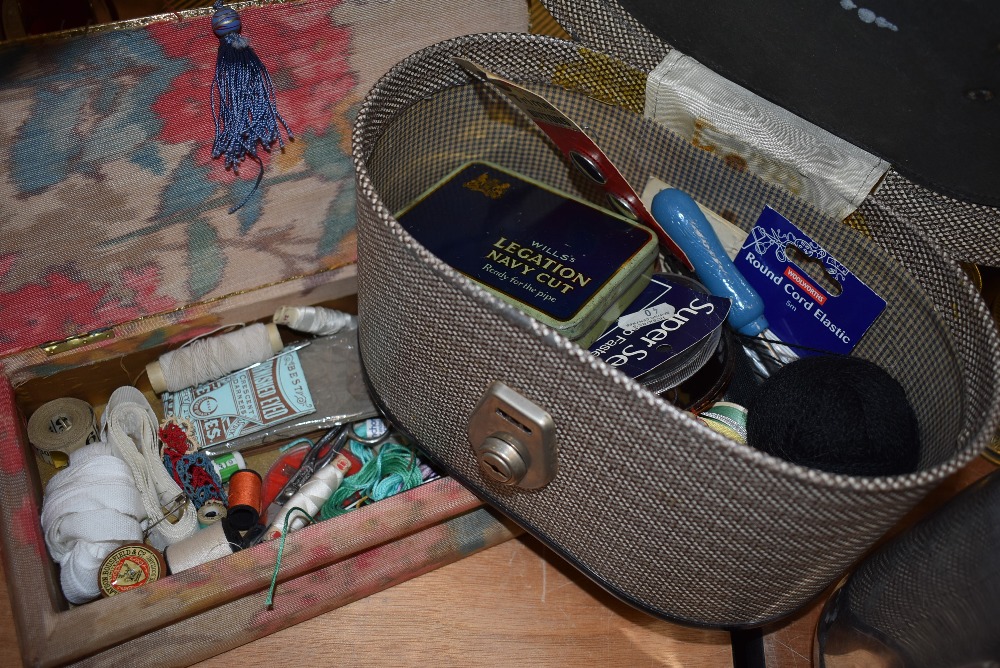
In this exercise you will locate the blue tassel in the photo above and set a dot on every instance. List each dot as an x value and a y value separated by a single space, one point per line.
243 106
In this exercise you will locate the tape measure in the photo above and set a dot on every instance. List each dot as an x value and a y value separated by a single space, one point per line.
60 427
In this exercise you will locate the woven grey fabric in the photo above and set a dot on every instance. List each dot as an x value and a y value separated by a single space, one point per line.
968 232
606 26
658 508
932 595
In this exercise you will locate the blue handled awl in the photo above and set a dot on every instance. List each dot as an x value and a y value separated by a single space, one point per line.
680 216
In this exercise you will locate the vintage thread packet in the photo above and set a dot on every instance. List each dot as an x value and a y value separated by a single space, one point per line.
244 402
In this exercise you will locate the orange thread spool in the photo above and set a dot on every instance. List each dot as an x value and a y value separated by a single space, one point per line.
244 499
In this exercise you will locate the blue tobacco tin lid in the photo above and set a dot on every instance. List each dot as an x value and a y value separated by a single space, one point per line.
565 262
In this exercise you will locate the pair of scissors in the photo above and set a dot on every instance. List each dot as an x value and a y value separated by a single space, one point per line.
321 454
332 443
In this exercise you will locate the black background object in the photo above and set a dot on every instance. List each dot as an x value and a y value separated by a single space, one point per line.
925 97
836 414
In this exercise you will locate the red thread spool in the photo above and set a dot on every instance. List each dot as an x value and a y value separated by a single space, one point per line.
244 499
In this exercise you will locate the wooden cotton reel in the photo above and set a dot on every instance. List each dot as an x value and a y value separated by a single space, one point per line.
207 359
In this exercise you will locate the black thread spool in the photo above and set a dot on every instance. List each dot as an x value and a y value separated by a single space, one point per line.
244 499
836 414
710 382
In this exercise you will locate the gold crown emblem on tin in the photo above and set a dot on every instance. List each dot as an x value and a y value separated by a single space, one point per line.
491 187
130 566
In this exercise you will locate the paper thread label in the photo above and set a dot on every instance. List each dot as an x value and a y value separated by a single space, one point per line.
648 316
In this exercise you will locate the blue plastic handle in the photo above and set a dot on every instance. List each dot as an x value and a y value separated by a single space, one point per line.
680 216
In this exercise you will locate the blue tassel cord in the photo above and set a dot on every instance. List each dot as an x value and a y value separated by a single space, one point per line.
243 101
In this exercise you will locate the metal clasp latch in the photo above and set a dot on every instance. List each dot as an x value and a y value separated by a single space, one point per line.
78 341
513 439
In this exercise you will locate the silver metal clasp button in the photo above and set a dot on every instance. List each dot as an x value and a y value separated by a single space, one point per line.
513 439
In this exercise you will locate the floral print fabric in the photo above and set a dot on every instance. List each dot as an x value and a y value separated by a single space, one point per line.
111 206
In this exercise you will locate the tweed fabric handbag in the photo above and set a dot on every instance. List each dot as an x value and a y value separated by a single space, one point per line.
654 506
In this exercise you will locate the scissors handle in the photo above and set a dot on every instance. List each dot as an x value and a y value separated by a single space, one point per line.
311 462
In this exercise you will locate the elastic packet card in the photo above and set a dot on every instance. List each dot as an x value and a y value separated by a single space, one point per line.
801 311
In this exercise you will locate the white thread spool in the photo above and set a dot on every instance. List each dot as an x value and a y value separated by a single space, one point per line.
203 546
212 511
310 497
314 319
211 358
61 426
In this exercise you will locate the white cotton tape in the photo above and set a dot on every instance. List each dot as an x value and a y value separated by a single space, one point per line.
89 510
129 425
314 319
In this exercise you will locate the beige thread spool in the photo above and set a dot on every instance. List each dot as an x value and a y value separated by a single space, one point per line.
204 545
212 511
158 379
60 427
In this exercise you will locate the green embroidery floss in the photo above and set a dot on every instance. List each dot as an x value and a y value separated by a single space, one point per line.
393 470
269 603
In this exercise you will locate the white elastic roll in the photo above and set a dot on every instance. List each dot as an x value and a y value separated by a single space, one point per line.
89 510
314 319
205 545
129 425
310 498
61 426
214 357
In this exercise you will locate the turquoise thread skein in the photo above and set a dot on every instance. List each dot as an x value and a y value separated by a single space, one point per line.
393 470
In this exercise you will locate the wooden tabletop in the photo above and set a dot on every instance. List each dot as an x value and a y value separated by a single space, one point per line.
515 604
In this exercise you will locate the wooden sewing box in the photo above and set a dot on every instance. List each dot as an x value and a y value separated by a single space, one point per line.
117 246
